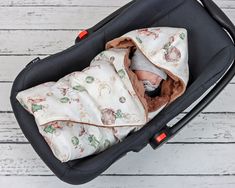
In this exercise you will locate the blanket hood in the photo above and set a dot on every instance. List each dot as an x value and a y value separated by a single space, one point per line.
166 48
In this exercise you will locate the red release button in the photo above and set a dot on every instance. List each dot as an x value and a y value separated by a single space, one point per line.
161 137
82 34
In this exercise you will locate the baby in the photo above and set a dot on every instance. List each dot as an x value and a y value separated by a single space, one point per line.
149 74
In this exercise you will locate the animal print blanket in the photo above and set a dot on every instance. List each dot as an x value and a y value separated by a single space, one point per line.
88 111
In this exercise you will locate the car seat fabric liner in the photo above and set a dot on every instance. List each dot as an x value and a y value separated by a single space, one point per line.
88 111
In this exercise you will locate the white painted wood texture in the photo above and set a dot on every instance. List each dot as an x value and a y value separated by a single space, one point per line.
201 156
126 182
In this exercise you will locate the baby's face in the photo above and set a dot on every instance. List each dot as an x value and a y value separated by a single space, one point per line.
145 75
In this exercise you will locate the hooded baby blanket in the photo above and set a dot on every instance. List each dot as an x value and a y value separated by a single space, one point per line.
87 111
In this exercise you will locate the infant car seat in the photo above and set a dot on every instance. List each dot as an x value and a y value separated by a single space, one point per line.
211 56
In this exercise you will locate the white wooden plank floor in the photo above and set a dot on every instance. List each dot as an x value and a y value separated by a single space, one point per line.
201 156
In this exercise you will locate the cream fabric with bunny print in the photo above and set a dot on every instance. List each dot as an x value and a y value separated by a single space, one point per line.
88 111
